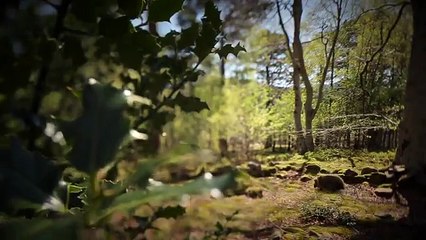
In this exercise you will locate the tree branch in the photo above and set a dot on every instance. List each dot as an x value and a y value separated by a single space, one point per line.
56 7
44 70
281 22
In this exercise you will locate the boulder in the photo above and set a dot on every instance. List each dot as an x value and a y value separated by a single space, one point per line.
353 179
329 183
312 169
368 170
377 178
350 173
323 171
305 178
268 171
384 192
254 169
254 192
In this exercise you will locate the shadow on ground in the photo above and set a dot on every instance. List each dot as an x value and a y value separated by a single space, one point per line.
389 230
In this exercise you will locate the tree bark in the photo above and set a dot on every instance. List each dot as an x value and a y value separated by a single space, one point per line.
412 139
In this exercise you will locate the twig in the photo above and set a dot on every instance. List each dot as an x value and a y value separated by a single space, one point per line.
51 4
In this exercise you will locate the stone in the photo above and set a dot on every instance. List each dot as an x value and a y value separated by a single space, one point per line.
384 192
269 171
254 169
329 183
323 171
368 170
254 192
305 179
285 168
377 178
350 173
312 169
353 179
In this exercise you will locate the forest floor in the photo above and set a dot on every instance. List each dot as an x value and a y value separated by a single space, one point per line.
284 204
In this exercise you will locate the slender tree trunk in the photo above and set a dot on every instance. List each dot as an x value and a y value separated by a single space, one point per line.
412 143
297 114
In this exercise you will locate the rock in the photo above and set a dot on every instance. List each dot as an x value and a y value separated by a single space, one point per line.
272 164
329 183
323 171
254 169
384 192
377 178
253 192
368 170
312 169
305 179
350 173
281 176
353 179
285 168
335 171
269 171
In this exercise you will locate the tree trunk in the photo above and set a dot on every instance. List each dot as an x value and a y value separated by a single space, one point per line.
411 146
297 114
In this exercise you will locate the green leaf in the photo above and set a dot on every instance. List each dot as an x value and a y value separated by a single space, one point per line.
163 10
205 42
134 199
170 212
132 8
27 176
190 104
145 42
47 48
41 229
212 15
84 10
115 27
229 49
188 36
98 132
72 49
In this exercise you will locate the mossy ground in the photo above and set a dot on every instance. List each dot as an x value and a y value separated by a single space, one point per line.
278 215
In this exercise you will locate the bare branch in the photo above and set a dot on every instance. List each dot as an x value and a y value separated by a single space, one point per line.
287 38
56 7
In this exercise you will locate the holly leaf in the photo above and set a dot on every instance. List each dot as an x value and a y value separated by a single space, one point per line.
224 51
27 176
132 8
190 104
84 10
188 36
212 15
163 10
115 27
205 42
99 131
72 49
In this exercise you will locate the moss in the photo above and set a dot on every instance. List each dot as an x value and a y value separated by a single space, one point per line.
329 231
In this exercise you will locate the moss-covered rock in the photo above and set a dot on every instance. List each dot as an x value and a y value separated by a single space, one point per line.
350 173
254 192
384 192
329 183
254 169
377 178
353 179
312 169
305 178
368 170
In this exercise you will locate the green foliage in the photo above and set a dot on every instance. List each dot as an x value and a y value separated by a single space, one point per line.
93 146
29 177
163 10
136 80
326 215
